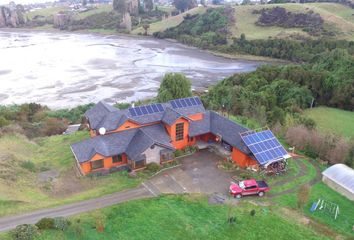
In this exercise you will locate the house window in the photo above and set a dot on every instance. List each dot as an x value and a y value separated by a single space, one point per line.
97 164
179 131
140 164
117 159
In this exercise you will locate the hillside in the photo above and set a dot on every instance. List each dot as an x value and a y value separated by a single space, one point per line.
333 120
40 173
337 17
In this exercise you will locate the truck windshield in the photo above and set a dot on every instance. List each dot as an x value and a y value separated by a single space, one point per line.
241 184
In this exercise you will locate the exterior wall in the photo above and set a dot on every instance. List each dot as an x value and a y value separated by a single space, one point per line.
172 132
107 163
127 125
196 117
338 188
206 137
92 133
153 155
242 159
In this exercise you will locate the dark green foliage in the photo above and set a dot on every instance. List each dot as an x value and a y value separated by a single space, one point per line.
202 30
271 92
45 223
74 115
299 51
25 232
3 121
122 105
310 151
102 20
178 153
61 223
153 167
174 85
29 165
278 16
183 5
253 212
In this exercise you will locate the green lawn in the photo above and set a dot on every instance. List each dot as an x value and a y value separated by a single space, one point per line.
345 220
333 120
182 217
20 189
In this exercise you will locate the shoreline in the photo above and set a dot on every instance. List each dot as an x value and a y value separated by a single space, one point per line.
241 57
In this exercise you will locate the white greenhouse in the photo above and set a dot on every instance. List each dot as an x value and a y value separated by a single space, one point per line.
340 178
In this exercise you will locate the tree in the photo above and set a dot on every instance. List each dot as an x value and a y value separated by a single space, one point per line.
84 2
202 2
149 5
146 27
120 6
174 85
183 5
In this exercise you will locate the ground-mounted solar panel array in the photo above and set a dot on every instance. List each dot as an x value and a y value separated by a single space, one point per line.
186 102
264 146
147 109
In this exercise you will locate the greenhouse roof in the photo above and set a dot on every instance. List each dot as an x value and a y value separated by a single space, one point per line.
342 175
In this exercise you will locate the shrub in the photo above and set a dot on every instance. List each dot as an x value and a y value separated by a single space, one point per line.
29 165
153 167
25 232
178 153
253 212
303 195
45 223
61 223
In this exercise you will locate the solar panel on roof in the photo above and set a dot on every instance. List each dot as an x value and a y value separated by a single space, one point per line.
147 109
154 108
264 146
132 112
185 102
159 106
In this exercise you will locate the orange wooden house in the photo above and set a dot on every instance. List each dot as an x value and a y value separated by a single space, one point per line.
135 137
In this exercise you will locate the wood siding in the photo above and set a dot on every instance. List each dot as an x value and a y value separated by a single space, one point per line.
242 159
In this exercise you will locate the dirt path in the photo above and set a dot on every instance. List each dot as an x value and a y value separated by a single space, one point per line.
303 171
10 222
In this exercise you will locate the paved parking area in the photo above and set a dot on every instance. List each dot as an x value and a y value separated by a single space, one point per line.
197 174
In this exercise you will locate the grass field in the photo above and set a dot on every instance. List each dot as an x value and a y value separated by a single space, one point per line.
168 22
342 224
182 217
21 188
338 18
333 120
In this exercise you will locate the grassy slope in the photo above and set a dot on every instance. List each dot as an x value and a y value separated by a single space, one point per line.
19 188
337 17
183 217
169 22
333 120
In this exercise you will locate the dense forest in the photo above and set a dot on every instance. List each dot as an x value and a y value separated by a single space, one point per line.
272 92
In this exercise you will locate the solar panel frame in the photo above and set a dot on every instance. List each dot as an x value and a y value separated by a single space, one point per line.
264 146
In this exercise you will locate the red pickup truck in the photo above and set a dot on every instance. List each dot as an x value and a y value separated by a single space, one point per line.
248 187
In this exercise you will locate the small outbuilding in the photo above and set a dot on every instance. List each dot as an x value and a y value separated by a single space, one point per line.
340 178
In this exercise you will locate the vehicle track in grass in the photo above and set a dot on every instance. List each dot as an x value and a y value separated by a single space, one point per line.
302 173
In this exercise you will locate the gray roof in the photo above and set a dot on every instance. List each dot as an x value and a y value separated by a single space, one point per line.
221 126
133 142
342 175
110 118
97 113
170 116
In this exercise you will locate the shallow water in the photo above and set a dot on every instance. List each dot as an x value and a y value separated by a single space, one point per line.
66 70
